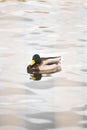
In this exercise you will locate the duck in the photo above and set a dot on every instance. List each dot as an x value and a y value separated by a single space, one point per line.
44 65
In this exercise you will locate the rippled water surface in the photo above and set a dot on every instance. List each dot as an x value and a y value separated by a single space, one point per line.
49 28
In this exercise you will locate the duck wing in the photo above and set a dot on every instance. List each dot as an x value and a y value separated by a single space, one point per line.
51 60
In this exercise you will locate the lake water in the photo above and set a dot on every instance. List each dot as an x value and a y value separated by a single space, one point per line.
49 28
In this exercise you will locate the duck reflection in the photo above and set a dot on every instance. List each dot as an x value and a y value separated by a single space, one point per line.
38 76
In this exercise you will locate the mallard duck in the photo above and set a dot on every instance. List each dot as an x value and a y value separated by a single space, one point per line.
44 65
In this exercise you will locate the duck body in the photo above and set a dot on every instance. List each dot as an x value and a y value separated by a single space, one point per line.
44 64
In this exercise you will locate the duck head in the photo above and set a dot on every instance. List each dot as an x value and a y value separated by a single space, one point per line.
35 60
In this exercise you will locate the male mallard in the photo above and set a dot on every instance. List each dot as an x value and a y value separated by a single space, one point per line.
44 65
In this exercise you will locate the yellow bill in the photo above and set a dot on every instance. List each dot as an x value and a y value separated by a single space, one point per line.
33 78
32 62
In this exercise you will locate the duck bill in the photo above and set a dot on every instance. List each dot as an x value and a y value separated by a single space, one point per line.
32 62
33 78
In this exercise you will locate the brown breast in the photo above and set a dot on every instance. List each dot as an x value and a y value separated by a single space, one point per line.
32 69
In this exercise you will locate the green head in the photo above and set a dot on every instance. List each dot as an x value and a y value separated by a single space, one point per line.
35 60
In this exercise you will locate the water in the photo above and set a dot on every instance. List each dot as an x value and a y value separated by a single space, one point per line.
50 28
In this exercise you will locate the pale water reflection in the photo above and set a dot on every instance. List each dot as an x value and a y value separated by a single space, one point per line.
50 28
